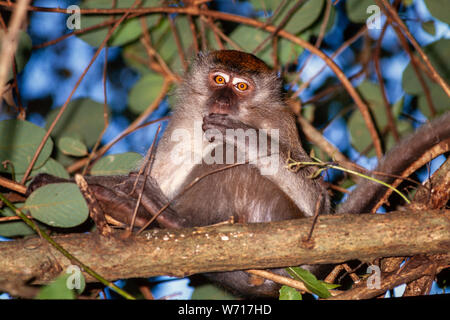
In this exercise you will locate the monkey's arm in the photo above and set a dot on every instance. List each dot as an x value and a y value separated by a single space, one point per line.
299 186
395 162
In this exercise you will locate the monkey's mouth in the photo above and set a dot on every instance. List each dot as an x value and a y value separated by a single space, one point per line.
217 109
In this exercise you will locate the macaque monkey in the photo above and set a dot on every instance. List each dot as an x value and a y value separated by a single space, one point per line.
230 110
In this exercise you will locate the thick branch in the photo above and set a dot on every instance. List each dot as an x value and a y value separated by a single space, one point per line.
336 238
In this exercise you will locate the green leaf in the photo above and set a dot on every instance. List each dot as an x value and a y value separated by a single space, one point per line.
211 292
330 286
371 93
249 38
58 205
63 286
83 118
438 53
19 141
441 101
310 281
72 146
51 166
130 30
304 17
135 57
116 164
360 136
359 133
314 29
267 5
429 27
145 92
357 10
288 293
14 228
439 9
22 53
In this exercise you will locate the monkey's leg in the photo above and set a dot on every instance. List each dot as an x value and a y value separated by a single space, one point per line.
114 193
152 199
115 205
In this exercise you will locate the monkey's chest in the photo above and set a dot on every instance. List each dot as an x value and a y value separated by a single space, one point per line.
240 192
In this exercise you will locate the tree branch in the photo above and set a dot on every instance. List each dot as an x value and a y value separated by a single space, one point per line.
336 238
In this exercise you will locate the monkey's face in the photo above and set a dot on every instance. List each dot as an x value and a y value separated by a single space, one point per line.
228 92
233 83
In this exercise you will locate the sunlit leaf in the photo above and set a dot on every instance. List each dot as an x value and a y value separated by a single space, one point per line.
289 293
310 281
61 287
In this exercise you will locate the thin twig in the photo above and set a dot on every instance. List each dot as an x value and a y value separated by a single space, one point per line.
316 215
335 54
10 40
63 108
105 115
148 165
390 11
79 164
377 56
178 43
415 65
282 24
319 40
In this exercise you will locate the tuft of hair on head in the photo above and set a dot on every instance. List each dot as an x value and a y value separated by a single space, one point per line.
240 60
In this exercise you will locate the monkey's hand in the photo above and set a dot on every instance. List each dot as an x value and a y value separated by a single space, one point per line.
216 125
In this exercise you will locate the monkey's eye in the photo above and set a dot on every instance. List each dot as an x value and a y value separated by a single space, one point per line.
242 86
219 79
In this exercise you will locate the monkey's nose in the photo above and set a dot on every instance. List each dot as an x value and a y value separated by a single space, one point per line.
222 106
